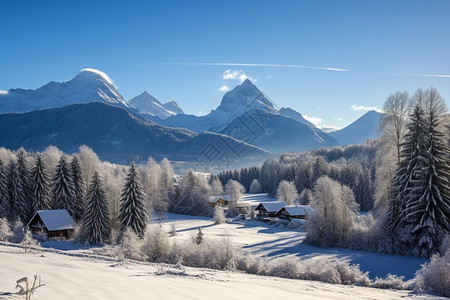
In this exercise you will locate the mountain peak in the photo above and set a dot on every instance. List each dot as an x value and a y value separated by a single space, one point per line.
92 75
247 82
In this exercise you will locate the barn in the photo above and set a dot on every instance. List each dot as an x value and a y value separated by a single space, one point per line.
53 223
295 212
267 210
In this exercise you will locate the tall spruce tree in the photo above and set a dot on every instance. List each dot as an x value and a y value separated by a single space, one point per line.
24 201
13 191
41 185
412 160
133 212
63 188
78 184
4 194
428 206
96 227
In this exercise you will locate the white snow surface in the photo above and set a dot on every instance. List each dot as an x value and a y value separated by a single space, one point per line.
75 276
147 104
296 210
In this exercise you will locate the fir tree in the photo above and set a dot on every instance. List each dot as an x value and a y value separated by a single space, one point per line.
199 238
4 194
78 184
412 161
13 191
428 207
63 188
41 185
96 216
133 211
23 201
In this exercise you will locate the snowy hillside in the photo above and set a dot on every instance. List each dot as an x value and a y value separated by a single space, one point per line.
359 131
77 277
147 104
89 85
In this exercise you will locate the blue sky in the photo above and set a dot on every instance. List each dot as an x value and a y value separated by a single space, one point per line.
179 49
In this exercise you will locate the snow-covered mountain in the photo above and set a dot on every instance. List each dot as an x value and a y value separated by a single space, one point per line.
117 135
147 104
365 128
89 85
249 115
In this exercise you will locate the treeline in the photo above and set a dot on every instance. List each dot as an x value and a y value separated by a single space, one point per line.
352 166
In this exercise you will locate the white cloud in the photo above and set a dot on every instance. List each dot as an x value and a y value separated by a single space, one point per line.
3 92
339 119
236 75
224 88
366 108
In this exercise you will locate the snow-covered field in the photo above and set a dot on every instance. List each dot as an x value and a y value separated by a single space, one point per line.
74 271
72 277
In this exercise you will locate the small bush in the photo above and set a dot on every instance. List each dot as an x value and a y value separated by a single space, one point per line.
435 275
5 231
390 282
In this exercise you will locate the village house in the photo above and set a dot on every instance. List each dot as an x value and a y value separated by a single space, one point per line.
53 223
219 200
267 210
295 212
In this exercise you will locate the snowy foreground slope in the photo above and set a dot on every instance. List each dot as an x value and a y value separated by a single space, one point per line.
73 277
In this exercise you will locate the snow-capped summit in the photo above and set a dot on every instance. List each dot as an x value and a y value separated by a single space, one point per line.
147 104
89 85
243 98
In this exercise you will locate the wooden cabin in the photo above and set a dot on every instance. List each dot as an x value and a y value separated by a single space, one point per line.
219 200
53 223
295 212
267 210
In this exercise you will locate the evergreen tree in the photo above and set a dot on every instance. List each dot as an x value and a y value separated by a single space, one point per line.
23 201
428 207
133 211
199 238
78 184
13 191
412 160
41 185
96 216
4 194
63 188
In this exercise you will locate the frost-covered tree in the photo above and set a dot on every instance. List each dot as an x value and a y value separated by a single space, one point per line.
78 187
334 213
255 187
4 194
199 237
194 195
96 227
166 178
63 188
41 185
235 190
428 204
156 246
216 187
150 175
287 192
219 216
133 212
23 201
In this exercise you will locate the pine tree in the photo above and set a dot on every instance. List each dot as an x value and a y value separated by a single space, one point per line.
412 160
133 211
13 191
78 184
24 201
4 194
199 238
96 216
63 188
41 185
428 208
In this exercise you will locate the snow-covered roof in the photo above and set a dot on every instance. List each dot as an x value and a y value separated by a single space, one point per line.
272 206
216 198
299 210
56 219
